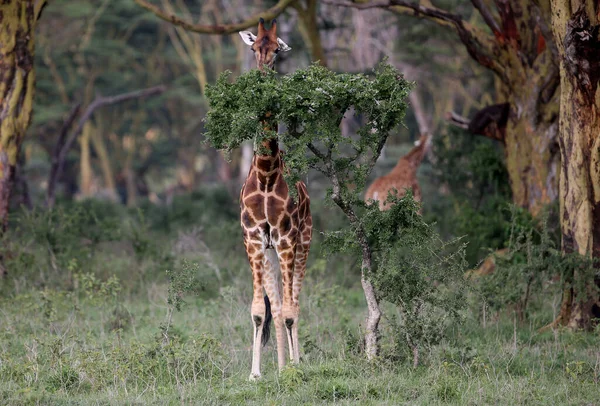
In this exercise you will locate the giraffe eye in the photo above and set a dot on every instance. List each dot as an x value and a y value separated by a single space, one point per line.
277 51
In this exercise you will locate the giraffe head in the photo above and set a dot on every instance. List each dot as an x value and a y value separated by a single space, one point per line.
266 45
416 155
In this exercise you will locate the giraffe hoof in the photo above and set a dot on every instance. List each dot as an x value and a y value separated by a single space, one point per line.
254 377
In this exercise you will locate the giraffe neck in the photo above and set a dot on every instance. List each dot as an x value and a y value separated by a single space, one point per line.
412 160
267 165
267 160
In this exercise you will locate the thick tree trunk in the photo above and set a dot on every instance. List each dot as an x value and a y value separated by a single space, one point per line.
17 84
576 31
531 144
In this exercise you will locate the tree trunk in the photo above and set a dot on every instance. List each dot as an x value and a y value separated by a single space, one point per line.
576 32
245 161
17 85
373 311
310 31
110 187
531 144
85 165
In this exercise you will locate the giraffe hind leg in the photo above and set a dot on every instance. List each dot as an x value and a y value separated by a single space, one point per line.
286 253
271 266
258 314
292 324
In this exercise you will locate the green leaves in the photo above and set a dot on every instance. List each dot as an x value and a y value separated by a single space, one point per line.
310 103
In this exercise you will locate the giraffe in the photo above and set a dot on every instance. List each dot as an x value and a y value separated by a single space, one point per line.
277 231
401 177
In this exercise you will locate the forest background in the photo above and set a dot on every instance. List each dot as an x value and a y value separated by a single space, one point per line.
121 214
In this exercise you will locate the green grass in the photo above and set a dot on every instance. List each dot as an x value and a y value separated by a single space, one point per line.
62 348
91 325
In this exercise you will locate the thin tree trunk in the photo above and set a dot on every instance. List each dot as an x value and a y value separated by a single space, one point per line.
130 181
373 311
105 164
85 165
310 31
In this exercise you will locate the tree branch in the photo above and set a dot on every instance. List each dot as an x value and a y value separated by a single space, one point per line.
60 153
489 122
457 120
269 14
487 16
479 45
38 7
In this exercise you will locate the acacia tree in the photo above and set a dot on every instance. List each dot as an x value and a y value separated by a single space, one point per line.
517 46
311 103
576 28
18 20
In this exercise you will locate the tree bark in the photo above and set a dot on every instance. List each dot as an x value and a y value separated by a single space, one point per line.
17 85
531 144
576 30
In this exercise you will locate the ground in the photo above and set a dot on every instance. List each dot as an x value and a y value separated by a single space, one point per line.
99 329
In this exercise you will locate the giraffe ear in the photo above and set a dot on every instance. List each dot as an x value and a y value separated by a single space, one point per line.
248 37
283 47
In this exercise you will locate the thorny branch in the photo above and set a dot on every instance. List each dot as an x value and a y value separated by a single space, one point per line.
251 21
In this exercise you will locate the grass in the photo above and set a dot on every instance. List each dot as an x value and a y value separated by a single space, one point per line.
100 326
59 350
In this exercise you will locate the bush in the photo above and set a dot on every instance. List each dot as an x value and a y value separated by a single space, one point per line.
534 260
472 170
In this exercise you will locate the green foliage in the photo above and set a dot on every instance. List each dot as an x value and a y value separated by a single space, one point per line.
534 258
416 271
310 103
67 246
202 206
94 339
182 281
472 169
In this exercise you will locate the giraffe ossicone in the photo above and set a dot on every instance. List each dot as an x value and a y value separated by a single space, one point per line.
277 230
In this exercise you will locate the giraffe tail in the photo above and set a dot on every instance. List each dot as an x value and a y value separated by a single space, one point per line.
272 262
267 324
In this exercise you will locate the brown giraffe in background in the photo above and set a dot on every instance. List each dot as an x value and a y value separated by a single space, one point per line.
403 176
277 231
